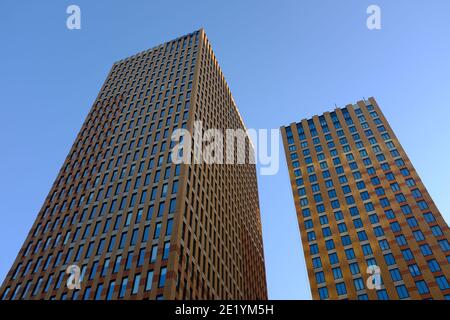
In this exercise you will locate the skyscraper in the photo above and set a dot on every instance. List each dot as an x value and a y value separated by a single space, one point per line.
360 203
138 225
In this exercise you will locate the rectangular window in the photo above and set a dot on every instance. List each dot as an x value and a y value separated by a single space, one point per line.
162 277
137 280
109 296
98 293
166 250
148 285
123 288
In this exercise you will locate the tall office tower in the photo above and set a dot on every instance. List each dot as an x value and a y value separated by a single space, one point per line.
138 225
360 203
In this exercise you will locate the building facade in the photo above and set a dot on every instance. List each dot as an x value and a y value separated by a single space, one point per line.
360 203
138 225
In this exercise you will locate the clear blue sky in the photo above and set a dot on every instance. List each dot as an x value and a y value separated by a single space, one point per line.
283 60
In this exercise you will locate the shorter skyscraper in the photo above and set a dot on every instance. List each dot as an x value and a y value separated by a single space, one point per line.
363 212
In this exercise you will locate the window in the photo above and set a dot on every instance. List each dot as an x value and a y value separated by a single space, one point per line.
157 230
407 254
169 227
402 291
389 214
346 240
162 277
342 227
110 290
166 250
93 270
341 289
426 250
389 258
401 240
317 263
117 264
418 235
123 238
429 217
362 235
359 284
111 243
333 258
123 287
367 250
323 293
395 226
134 237
148 285
337 273
378 231
98 293
354 268
371 262
358 224
422 287
105 267
129 261
311 236
374 218
137 280
326 232
314 249
320 277
444 244
379 191
350 254
434 265
406 209
37 287
436 231
395 275
382 295
87 293
154 253
442 283
384 202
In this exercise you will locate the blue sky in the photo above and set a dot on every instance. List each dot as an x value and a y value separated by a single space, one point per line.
283 60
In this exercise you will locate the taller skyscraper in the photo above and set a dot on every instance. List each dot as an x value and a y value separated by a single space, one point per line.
360 203
136 224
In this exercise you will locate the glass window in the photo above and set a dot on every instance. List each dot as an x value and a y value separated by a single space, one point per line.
123 287
354 268
137 280
323 293
402 291
341 289
442 282
109 296
320 277
148 285
395 275
422 287
98 293
359 284
162 277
